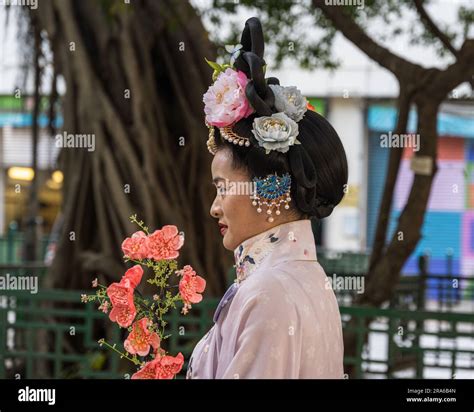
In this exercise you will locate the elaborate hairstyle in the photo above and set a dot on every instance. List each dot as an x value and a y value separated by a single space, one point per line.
272 129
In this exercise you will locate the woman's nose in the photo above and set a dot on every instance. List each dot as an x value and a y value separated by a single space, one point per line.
216 210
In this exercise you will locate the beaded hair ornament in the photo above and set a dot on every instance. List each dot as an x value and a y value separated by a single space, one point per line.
226 103
272 191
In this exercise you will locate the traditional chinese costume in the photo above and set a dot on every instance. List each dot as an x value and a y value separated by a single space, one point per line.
280 318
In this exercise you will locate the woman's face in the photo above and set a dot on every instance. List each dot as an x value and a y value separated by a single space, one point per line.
237 217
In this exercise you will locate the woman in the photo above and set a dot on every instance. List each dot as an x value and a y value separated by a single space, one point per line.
276 165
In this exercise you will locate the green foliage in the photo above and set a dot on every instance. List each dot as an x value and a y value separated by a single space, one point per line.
284 39
218 68
297 31
97 361
114 7
466 18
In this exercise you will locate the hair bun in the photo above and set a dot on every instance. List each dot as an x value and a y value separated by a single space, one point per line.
323 208
251 62
252 37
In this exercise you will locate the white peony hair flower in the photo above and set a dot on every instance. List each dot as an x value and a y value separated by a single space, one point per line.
276 132
290 101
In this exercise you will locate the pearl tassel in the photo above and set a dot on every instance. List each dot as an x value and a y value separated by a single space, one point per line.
271 192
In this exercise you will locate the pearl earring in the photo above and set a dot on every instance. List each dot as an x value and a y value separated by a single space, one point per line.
271 191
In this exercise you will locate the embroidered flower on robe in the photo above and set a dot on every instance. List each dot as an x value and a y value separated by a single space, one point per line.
247 261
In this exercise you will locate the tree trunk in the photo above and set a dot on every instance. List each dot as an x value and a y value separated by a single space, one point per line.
385 274
135 75
404 101
408 233
31 223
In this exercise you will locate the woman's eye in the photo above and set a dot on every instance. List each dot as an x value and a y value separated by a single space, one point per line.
224 188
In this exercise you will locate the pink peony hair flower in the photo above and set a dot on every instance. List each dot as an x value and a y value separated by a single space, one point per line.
190 287
121 297
225 101
141 338
164 243
162 367
135 247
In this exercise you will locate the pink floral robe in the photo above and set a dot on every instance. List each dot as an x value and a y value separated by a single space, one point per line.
280 319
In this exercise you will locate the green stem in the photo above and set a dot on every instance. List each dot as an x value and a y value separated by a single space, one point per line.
122 355
140 224
139 262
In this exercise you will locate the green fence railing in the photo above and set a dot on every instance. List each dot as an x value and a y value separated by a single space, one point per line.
414 340
11 247
49 334
52 334
343 262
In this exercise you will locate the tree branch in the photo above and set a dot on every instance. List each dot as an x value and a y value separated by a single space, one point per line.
404 101
462 70
433 28
400 67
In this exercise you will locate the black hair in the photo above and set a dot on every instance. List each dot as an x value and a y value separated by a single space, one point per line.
318 166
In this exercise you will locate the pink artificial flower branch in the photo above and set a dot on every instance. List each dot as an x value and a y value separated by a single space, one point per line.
144 319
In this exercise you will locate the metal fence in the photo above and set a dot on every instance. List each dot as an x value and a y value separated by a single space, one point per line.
442 292
11 247
52 334
410 343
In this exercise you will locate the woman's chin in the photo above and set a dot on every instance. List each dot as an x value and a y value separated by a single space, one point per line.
227 241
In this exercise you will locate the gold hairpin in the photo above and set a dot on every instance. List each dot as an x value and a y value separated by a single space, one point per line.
228 134
211 142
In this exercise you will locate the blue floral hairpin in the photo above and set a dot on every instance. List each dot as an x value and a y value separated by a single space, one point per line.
272 191
234 51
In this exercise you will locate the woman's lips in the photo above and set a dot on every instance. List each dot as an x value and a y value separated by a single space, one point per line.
223 229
